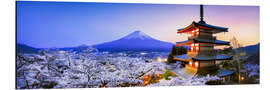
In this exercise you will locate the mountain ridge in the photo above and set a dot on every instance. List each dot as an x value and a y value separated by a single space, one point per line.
252 49
135 41
23 48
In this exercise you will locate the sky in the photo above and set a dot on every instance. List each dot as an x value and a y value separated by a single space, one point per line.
68 24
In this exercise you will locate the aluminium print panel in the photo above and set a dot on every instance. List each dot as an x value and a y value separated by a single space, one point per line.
105 45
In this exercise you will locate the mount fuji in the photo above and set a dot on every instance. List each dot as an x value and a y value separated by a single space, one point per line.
136 41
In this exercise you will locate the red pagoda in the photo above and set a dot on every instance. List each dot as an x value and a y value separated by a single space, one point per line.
201 42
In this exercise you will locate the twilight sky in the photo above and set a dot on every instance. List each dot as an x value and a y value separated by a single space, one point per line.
67 24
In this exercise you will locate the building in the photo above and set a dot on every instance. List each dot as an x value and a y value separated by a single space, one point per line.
201 53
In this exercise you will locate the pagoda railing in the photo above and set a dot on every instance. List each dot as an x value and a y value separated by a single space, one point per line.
203 37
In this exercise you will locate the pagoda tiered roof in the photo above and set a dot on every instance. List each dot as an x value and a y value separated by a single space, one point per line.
185 57
210 28
197 40
223 73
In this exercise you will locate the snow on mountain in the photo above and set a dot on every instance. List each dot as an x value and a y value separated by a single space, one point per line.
137 35
136 41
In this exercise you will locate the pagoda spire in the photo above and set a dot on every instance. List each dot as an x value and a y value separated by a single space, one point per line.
201 14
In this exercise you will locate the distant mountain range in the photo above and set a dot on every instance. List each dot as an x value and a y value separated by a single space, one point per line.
254 53
136 41
252 49
22 48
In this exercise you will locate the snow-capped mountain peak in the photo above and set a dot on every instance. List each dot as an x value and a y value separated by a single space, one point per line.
136 41
137 35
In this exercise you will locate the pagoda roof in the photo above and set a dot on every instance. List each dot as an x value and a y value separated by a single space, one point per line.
223 73
196 40
218 57
207 27
185 57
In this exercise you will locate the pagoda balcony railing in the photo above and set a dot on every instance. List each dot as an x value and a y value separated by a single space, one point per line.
197 52
192 37
203 37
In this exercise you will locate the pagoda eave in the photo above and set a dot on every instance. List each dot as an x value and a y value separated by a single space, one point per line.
210 59
206 27
184 43
187 29
224 73
215 42
186 58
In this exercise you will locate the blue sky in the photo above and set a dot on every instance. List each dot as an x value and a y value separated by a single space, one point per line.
66 24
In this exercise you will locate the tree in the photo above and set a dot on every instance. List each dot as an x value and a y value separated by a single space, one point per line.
176 51
237 64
